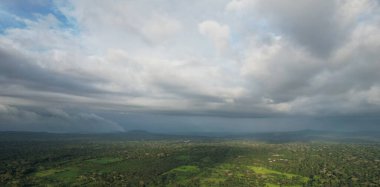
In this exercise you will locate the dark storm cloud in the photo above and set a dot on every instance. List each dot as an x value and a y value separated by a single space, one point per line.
53 120
16 69
311 23
320 26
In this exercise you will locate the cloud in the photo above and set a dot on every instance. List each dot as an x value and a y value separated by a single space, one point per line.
321 26
53 120
290 59
23 70
290 76
159 28
218 33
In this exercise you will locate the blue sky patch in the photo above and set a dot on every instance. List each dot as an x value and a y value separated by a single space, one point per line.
11 10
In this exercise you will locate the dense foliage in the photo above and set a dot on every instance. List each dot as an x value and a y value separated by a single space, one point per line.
182 162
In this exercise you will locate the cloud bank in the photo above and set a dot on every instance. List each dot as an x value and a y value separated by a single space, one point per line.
67 65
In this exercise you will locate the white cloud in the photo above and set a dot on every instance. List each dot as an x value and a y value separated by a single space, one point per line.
239 5
159 28
218 33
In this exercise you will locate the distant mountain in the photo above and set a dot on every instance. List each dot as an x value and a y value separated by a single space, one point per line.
314 135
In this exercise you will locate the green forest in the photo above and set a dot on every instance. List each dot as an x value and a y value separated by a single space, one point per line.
174 161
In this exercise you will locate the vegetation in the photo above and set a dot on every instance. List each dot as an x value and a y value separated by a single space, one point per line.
194 161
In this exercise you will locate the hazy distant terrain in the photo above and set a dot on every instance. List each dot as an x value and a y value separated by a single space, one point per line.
138 158
136 135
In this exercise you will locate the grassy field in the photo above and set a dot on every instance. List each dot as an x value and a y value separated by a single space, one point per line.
104 160
266 171
181 175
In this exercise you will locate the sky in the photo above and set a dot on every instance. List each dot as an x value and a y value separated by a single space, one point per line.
181 66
